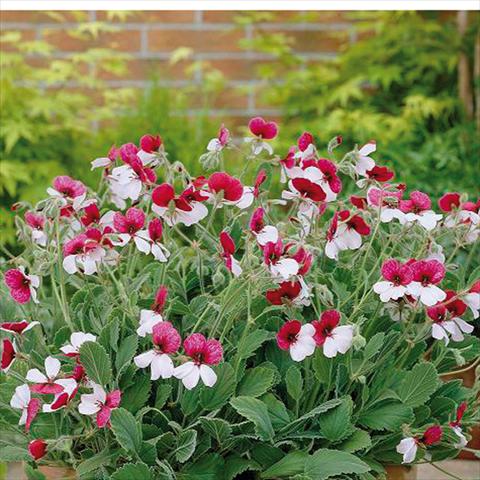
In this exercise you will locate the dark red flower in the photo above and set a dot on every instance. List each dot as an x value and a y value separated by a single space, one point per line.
37 448
449 201
323 327
380 174
150 143
286 292
287 335
221 182
432 435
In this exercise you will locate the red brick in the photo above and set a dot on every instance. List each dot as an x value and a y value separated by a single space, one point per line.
154 17
200 41
25 35
126 41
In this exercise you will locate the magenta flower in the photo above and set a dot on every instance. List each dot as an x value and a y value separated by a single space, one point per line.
100 403
297 339
37 448
427 274
166 341
66 187
22 287
36 223
203 353
332 337
397 277
29 406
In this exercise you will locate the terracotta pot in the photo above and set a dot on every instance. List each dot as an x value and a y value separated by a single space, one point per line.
17 472
58 473
468 379
399 472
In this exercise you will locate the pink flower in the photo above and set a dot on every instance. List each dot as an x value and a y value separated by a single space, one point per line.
18 327
281 266
150 143
333 338
149 241
418 209
100 403
288 292
219 143
77 339
263 129
397 278
36 222
346 234
380 174
449 201
66 188
297 339
9 354
261 177
304 141
263 233
229 190
228 247
22 287
37 449
166 340
457 427
29 406
388 200
61 399
426 275
186 208
446 322
203 353
84 252
45 384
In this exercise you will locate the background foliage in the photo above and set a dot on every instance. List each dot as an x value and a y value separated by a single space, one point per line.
397 84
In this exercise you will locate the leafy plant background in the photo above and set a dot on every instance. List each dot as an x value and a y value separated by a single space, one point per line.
398 84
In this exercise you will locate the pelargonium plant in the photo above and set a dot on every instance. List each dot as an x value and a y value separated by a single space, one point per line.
168 326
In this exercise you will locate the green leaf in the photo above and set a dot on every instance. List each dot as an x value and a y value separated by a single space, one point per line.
186 443
235 465
126 430
208 467
255 411
216 396
359 440
291 464
277 411
217 428
387 416
126 352
418 385
252 342
256 382
11 453
336 424
163 392
96 363
132 471
294 381
326 463
323 367
324 407
373 346
135 397
93 463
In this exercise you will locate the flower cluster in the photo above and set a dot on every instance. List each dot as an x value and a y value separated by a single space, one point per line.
199 305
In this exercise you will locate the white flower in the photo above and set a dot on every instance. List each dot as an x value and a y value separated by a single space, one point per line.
456 327
20 400
462 442
364 162
87 261
387 214
190 373
339 341
148 319
52 369
125 183
91 403
427 219
61 399
161 364
284 268
258 146
304 346
268 233
77 339
472 299
389 290
428 294
408 448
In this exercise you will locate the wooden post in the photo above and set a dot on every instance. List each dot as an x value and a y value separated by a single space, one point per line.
464 78
476 78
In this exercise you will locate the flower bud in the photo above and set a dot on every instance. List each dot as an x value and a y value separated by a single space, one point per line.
325 295
37 448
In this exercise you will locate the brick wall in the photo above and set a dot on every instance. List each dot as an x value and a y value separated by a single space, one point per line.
149 38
